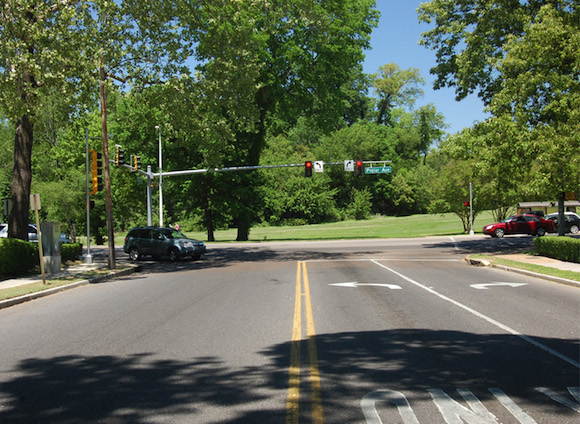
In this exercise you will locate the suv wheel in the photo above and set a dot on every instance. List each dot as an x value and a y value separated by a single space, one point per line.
173 255
134 254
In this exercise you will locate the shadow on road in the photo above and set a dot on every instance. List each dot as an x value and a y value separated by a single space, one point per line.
143 388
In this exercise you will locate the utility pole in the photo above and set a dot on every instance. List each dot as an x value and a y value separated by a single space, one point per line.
106 168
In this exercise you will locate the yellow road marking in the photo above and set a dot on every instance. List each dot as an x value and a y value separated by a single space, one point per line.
292 406
294 372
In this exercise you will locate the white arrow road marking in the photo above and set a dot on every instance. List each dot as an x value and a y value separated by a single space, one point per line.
498 324
354 284
485 286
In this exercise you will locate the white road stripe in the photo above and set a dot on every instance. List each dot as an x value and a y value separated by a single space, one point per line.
484 317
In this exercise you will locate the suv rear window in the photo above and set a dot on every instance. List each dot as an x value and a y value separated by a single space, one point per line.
139 233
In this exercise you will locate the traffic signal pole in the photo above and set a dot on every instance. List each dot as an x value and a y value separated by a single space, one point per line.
88 257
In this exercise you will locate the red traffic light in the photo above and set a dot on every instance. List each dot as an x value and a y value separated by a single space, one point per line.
308 168
359 167
466 204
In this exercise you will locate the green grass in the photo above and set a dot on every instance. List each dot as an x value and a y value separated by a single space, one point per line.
37 286
376 227
32 288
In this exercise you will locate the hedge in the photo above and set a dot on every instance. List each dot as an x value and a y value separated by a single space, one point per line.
18 257
563 248
70 251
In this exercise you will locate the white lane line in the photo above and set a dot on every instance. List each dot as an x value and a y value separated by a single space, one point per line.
484 317
455 244
387 260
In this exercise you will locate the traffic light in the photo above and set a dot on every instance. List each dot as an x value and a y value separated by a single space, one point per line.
120 156
136 162
308 168
359 167
467 204
97 171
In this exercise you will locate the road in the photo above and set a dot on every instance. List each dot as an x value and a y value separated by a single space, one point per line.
357 331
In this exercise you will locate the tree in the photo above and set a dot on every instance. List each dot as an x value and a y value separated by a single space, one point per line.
522 57
57 47
469 39
452 191
431 124
395 87
499 165
278 63
540 93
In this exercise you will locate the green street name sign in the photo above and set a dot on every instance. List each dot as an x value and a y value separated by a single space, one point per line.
378 170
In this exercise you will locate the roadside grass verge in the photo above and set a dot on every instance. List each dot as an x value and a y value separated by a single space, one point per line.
37 286
570 275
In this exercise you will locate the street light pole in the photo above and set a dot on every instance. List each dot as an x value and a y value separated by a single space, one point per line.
157 127
106 170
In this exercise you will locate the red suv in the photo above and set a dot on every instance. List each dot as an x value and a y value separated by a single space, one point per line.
520 224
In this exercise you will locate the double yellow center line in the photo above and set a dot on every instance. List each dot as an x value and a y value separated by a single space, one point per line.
292 405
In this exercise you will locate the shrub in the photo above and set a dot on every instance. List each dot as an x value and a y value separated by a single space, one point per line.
563 248
70 251
361 205
17 257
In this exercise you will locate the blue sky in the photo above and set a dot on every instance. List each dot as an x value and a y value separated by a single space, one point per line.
396 40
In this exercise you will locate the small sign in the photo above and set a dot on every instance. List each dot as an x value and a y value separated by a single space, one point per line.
378 170
349 165
35 201
318 166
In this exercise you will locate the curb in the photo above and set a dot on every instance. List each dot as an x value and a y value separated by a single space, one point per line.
487 264
43 293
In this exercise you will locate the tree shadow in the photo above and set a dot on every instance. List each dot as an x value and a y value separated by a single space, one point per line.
220 257
497 246
140 388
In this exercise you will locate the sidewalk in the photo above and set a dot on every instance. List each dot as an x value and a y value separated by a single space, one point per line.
75 270
532 260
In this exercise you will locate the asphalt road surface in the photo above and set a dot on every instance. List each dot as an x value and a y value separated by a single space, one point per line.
359 331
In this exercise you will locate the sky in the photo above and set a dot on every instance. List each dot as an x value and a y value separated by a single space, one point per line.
396 39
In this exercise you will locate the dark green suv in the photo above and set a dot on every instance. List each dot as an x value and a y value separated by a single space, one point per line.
157 242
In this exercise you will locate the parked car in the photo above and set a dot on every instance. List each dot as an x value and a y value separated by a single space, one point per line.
32 233
572 221
157 242
520 224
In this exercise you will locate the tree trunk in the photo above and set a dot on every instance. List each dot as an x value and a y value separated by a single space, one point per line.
208 216
247 189
21 179
561 215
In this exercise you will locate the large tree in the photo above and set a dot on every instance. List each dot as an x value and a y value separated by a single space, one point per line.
278 62
469 38
395 87
522 58
540 93
57 47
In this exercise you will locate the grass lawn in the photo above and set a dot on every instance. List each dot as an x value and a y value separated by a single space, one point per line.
376 227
